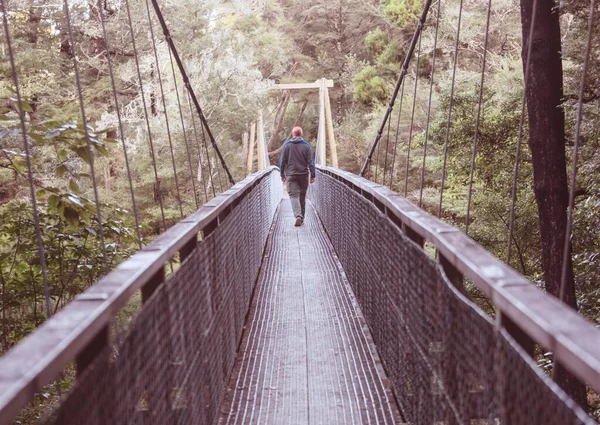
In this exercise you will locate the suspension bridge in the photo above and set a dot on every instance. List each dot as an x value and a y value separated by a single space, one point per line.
359 316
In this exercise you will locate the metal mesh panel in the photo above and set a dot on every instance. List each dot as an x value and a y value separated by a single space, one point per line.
173 366
446 359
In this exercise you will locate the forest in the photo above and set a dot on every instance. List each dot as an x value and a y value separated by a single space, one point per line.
234 51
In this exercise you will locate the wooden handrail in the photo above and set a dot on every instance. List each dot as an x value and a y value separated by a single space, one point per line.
557 327
39 358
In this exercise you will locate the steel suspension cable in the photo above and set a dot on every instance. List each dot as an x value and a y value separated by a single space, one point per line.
164 103
586 60
210 171
412 117
121 131
392 167
435 40
478 120
377 159
387 144
403 71
187 84
185 139
219 175
520 137
147 119
446 140
21 112
88 146
198 148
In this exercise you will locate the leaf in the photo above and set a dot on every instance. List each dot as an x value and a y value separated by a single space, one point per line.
26 106
71 216
62 155
52 134
86 175
102 150
75 200
38 138
19 165
82 153
53 201
110 140
40 193
61 170
74 186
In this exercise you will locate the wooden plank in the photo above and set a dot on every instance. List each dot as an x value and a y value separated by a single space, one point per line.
574 340
300 86
39 358
251 146
261 144
330 134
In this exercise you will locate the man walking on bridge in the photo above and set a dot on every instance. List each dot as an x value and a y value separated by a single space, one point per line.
295 163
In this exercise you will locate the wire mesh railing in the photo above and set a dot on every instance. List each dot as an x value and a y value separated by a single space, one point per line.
449 362
172 363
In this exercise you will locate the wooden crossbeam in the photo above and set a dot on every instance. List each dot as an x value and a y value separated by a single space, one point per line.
296 86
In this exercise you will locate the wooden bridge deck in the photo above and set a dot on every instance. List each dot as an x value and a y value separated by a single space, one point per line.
306 356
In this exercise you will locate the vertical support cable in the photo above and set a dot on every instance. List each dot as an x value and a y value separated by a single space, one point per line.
450 108
121 132
186 82
198 148
392 167
21 111
586 60
520 137
435 40
210 171
164 103
412 117
387 145
185 139
403 71
478 121
150 139
90 154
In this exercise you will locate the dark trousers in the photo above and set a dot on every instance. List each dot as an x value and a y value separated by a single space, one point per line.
297 186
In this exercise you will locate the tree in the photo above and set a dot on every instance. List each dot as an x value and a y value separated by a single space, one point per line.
544 93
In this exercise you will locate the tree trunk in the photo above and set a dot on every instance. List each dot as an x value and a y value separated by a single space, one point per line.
287 96
296 123
544 92
35 17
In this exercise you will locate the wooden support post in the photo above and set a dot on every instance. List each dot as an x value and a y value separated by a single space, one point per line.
245 147
321 149
251 146
517 333
92 350
261 145
454 276
330 134
152 285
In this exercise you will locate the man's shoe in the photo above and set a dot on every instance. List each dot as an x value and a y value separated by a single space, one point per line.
298 222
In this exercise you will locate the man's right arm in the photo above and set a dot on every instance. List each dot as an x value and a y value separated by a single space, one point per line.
310 159
283 161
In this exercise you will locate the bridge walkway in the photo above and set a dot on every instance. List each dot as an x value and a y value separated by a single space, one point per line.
307 356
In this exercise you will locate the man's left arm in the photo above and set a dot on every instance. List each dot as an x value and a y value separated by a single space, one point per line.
283 162
311 163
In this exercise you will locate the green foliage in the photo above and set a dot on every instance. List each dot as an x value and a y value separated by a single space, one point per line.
376 42
369 88
402 12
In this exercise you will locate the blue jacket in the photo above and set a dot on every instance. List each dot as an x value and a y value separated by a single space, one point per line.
297 158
